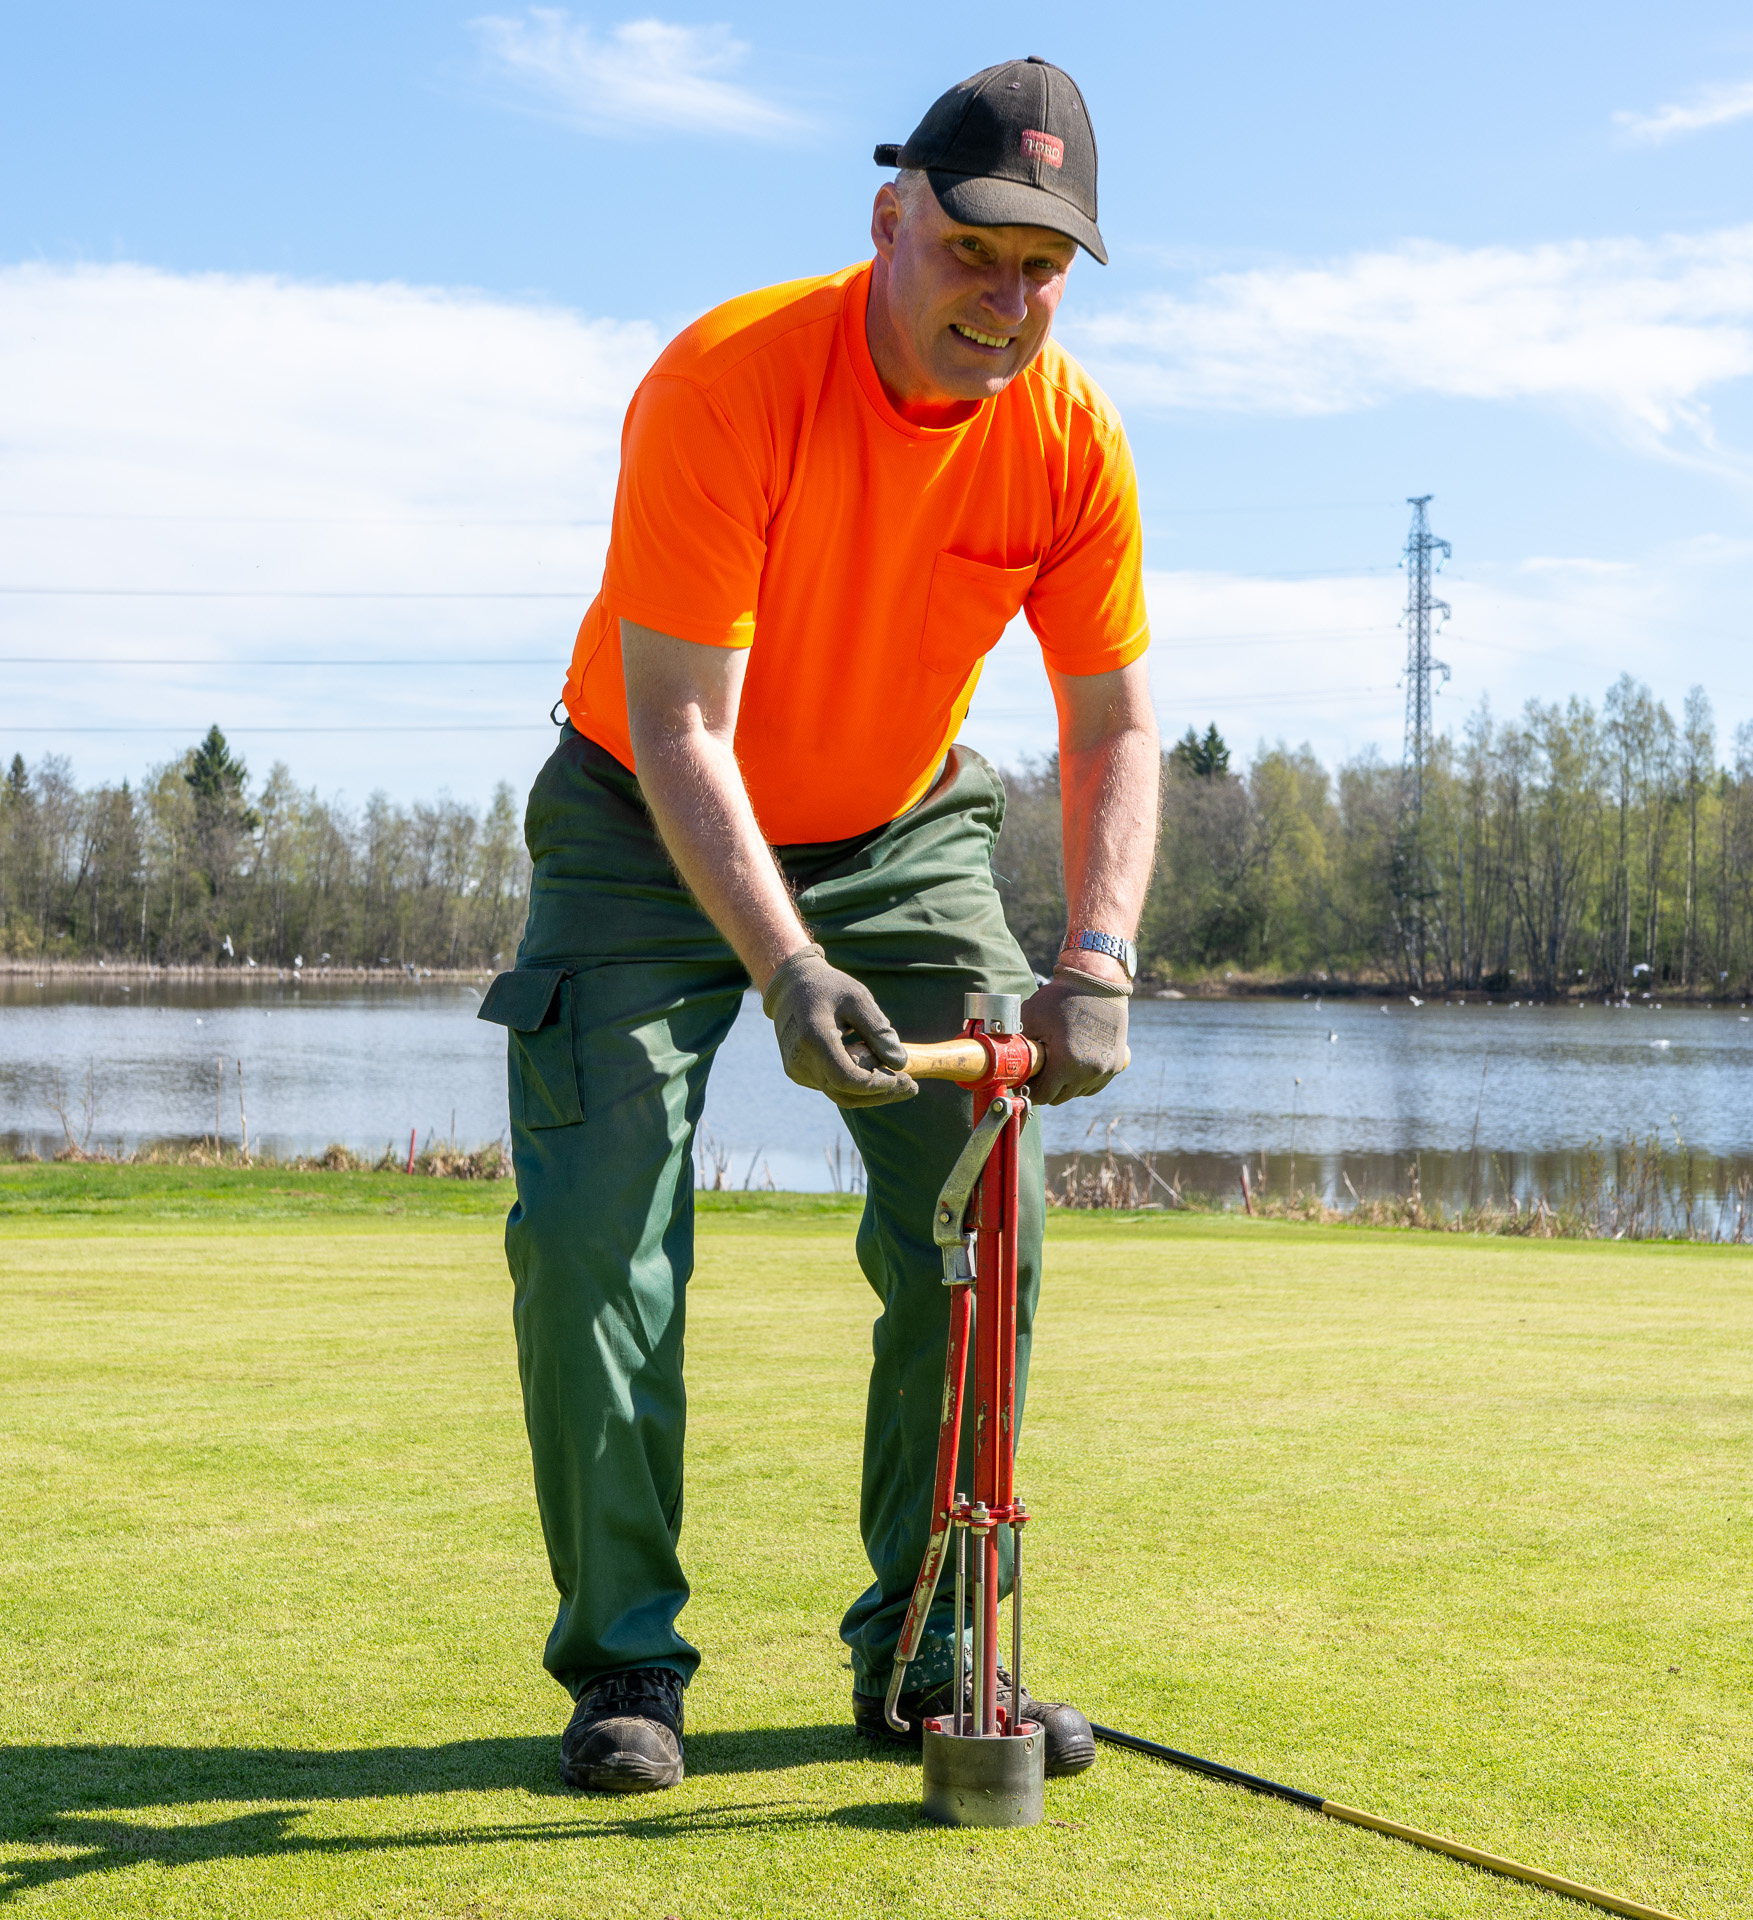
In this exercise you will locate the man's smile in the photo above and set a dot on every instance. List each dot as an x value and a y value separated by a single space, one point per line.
989 340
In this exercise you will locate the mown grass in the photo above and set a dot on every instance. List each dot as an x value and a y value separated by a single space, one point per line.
1456 1532
135 1193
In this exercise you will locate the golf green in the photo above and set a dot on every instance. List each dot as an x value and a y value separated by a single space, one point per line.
1455 1531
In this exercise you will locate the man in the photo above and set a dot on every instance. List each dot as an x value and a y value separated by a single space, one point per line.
834 497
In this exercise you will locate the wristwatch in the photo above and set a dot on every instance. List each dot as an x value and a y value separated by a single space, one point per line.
1088 940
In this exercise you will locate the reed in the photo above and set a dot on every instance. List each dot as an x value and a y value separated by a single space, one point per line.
1638 1190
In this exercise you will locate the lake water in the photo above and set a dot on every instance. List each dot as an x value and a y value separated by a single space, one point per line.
1212 1082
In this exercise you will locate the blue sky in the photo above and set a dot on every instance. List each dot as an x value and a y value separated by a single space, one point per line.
307 311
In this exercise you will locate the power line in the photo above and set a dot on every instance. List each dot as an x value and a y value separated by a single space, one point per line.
438 593
1294 506
1306 696
1315 636
387 726
277 593
423 663
1180 698
1287 573
285 519
1182 643
474 520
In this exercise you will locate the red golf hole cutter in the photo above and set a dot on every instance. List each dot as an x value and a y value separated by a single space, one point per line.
981 1770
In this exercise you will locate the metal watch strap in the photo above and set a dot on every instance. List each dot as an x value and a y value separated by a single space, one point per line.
1088 940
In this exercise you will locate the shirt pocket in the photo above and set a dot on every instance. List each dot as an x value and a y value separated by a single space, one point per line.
968 608
534 1004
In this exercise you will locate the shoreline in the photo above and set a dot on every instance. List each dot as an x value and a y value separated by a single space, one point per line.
1238 987
402 970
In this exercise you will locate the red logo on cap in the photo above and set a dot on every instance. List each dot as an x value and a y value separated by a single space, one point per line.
1044 146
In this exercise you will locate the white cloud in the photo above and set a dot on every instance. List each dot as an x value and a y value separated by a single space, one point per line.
234 433
126 388
1320 659
1636 331
643 73
1709 107
247 435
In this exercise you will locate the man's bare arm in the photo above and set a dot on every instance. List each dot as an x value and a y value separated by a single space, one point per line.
1110 759
1108 767
682 702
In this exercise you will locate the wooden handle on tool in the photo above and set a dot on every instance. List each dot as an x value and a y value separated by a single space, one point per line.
959 1059
955 1059
962 1059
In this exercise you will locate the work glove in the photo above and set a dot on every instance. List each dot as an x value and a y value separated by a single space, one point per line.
1079 1023
812 1005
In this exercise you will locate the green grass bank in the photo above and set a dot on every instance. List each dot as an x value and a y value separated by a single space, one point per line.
1457 1531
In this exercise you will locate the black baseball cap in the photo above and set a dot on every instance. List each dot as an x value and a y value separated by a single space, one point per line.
1012 147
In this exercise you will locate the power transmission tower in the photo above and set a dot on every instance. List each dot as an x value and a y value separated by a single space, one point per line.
1421 606
1412 877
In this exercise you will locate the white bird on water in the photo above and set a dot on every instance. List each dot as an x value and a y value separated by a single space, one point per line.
1332 1039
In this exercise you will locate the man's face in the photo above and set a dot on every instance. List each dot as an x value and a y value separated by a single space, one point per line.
967 308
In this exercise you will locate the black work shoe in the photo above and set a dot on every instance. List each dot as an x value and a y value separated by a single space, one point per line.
1071 1747
915 1707
625 1735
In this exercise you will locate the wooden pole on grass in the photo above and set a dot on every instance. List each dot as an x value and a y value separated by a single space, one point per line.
1414 1836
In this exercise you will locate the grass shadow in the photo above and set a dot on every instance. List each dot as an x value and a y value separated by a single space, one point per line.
58 1796
93 1845
38 1781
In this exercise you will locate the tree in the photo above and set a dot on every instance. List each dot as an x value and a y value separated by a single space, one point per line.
147 871
224 820
1028 862
1553 835
1204 759
1698 762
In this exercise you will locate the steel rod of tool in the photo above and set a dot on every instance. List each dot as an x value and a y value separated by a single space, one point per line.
994 1341
1016 1627
949 1429
1414 1836
979 1557
961 1526
1008 1175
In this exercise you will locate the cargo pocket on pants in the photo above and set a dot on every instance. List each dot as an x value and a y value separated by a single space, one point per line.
535 1005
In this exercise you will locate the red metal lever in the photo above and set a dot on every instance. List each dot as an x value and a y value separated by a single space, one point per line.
983 1315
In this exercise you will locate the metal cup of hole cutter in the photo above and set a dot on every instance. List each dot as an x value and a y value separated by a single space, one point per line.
986 1780
997 1012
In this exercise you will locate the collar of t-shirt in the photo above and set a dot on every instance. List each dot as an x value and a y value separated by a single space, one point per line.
854 331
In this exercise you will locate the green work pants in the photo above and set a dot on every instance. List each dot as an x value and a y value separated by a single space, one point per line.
622 993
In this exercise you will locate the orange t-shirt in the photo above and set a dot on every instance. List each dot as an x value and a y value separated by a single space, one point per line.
772 498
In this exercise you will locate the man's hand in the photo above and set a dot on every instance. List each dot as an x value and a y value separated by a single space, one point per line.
1079 1023
811 1004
